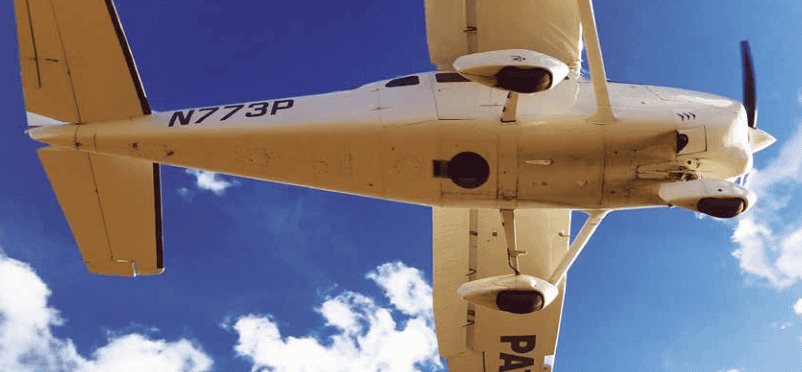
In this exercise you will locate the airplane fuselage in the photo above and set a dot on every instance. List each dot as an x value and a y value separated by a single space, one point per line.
434 139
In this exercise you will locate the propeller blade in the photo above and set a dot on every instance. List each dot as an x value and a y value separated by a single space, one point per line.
750 100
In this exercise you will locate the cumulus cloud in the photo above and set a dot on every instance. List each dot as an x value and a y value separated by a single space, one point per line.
210 181
135 352
798 307
366 336
769 238
404 287
27 343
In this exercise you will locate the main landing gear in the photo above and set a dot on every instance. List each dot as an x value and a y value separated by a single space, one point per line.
519 293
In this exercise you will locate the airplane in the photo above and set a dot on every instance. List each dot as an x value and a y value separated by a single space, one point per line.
503 141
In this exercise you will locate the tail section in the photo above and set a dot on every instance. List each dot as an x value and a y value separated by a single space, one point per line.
76 63
77 68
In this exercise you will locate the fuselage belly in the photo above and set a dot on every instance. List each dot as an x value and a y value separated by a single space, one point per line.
403 139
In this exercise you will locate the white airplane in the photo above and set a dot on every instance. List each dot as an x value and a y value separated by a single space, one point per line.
504 141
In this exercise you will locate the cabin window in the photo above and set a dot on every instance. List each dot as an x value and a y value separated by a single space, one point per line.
450 77
404 81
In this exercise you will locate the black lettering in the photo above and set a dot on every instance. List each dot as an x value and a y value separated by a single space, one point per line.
260 107
514 362
235 109
277 105
184 120
520 344
211 110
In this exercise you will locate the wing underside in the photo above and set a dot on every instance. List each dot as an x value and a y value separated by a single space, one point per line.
456 28
469 244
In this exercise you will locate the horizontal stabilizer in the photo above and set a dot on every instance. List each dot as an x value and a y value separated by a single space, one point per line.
76 64
113 206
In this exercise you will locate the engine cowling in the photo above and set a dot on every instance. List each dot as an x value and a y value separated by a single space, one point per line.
517 70
717 198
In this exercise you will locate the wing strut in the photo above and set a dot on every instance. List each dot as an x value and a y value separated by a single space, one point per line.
519 293
508 223
594 219
604 111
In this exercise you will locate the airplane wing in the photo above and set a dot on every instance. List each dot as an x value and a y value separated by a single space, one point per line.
469 244
76 64
456 28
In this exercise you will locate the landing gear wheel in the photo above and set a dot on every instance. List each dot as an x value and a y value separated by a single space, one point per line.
523 80
520 302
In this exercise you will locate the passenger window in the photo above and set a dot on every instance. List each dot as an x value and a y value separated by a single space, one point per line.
450 77
404 81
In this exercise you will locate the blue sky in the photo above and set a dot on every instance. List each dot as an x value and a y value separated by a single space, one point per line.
257 270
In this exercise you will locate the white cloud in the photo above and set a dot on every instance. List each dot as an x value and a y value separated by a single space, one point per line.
754 238
798 307
135 352
731 370
367 338
769 236
405 288
210 181
782 325
27 343
185 194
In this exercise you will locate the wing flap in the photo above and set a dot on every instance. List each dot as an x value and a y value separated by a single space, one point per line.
470 246
113 207
76 63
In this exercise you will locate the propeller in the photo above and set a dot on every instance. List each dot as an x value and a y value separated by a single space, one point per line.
750 100
758 139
